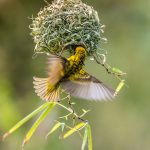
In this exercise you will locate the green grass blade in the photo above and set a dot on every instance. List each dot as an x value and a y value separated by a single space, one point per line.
74 129
24 120
119 87
89 137
84 139
55 127
37 123
118 71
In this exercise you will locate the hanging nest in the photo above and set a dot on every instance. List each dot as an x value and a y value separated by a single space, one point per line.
66 23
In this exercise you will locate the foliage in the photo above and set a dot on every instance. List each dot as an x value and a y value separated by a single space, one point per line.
47 107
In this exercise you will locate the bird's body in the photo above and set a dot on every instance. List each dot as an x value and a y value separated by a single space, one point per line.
70 76
75 62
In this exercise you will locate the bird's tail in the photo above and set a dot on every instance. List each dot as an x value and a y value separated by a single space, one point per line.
45 90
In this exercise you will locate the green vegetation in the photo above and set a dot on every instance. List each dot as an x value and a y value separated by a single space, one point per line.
48 107
119 125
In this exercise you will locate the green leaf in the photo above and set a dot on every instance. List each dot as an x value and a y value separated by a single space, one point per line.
117 71
55 127
119 87
89 137
24 120
84 139
74 129
37 123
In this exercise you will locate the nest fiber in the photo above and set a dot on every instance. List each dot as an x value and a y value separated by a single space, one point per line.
65 23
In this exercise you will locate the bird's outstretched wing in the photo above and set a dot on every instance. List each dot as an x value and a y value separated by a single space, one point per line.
56 68
48 88
85 86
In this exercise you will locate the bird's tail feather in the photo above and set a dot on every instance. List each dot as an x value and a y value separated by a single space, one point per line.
45 90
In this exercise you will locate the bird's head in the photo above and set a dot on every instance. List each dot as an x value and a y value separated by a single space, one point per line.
80 50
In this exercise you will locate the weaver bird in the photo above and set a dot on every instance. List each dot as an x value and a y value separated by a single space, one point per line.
69 75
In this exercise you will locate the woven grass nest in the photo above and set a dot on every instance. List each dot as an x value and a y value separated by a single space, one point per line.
66 23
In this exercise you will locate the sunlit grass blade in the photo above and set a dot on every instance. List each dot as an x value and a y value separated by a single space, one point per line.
37 123
89 137
74 129
118 71
119 87
24 120
55 127
84 139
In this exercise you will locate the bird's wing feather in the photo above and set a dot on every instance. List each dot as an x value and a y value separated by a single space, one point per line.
44 90
56 68
85 86
48 88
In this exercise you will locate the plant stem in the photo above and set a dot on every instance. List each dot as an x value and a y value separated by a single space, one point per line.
72 111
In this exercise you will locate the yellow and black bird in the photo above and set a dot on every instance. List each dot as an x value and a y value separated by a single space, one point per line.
69 75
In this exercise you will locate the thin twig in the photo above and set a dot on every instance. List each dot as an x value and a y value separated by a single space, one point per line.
72 111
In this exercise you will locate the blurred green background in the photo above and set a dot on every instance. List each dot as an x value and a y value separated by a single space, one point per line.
123 124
